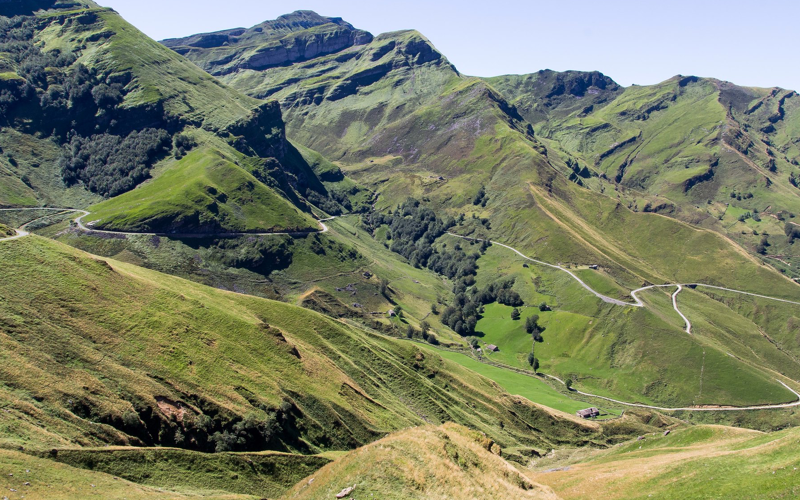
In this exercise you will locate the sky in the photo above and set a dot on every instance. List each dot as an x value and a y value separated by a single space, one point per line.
750 43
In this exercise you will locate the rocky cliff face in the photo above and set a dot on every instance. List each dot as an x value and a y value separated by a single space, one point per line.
295 37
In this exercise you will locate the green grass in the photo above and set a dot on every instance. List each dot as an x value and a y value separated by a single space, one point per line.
697 462
61 482
528 387
256 474
205 192
114 337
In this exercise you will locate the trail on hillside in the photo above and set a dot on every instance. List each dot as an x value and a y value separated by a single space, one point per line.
84 213
637 303
693 408
21 233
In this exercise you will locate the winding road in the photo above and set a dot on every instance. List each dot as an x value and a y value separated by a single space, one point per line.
21 233
638 302
692 408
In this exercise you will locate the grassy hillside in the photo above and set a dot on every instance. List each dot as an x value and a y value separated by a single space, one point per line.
710 152
696 462
425 462
135 357
118 109
204 192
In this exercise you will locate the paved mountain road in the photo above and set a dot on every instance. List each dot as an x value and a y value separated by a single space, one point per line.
84 213
21 233
637 303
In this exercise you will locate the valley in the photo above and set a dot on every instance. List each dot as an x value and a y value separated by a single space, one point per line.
288 260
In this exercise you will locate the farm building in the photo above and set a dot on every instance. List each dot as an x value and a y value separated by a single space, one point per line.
492 348
588 413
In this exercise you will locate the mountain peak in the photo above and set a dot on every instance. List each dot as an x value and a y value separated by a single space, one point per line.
293 37
12 8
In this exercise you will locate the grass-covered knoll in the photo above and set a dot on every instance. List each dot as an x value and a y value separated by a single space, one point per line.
6 231
449 461
695 462
137 357
204 192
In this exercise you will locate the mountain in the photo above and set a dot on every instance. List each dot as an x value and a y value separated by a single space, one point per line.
104 109
461 265
399 118
711 151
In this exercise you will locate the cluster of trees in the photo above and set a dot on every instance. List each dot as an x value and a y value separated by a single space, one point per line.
413 229
259 254
463 314
424 333
763 244
109 164
740 196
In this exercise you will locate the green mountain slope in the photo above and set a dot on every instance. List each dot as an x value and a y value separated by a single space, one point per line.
713 153
205 192
109 353
397 116
93 108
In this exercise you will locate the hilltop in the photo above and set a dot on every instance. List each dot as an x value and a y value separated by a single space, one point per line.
118 109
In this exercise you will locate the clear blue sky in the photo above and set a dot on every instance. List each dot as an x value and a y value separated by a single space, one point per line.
746 42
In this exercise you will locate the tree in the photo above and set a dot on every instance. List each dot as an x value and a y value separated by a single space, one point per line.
515 314
425 326
531 323
544 307
532 361
434 308
399 312
384 287
568 383
410 332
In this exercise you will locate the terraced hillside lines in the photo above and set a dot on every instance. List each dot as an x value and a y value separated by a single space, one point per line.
123 346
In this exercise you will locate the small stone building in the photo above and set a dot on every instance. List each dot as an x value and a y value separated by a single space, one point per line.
588 413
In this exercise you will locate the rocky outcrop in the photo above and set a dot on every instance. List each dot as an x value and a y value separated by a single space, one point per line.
302 47
295 37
